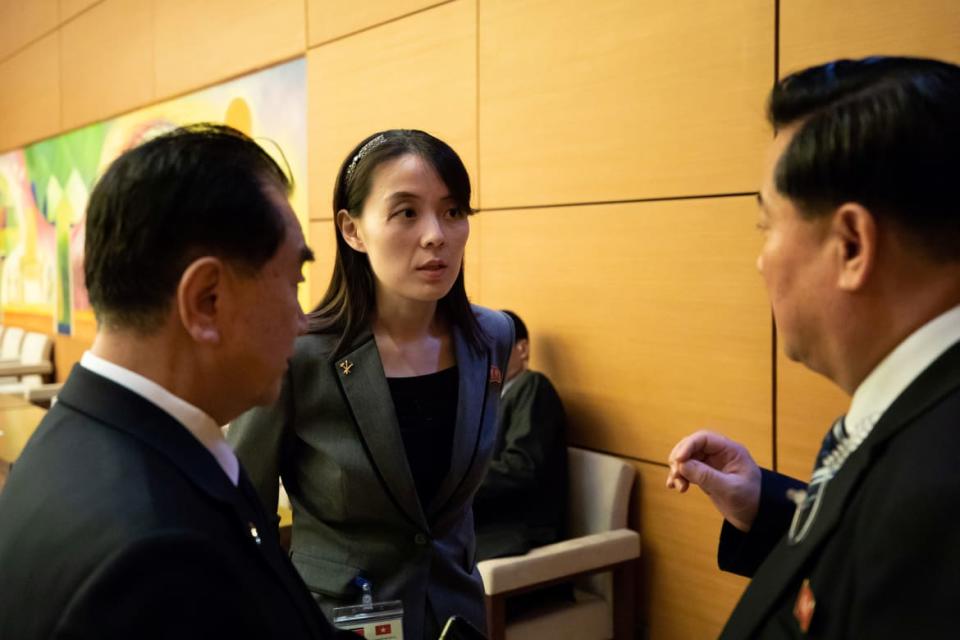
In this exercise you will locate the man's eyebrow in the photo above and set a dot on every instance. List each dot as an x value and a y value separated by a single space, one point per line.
306 254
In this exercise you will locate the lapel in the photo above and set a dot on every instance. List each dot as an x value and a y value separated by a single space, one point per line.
109 403
367 392
474 371
781 568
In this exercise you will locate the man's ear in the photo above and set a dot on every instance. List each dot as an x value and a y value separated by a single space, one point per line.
200 299
855 230
523 347
350 231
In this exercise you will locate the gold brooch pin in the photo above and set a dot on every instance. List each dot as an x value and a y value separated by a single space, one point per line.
254 533
346 365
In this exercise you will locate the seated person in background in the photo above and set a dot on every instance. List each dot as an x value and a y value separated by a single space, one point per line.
522 501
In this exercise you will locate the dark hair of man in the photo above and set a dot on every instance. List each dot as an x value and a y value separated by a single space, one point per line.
519 328
348 305
197 190
883 132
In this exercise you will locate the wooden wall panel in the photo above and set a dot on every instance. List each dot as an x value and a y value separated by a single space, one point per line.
419 72
30 99
101 81
29 321
650 318
202 43
816 31
807 404
682 592
329 19
24 21
584 102
70 8
67 351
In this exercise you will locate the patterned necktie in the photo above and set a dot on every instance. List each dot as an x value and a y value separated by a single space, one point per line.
808 506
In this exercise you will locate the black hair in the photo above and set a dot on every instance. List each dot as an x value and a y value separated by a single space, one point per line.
883 132
347 307
197 190
519 328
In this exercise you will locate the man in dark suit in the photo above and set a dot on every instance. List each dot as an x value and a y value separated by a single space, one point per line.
127 514
522 502
862 265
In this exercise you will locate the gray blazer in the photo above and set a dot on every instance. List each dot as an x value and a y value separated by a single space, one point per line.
334 439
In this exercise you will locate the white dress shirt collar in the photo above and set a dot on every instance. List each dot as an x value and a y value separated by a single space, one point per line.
203 427
901 367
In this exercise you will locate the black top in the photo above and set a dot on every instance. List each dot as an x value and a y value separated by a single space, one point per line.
427 412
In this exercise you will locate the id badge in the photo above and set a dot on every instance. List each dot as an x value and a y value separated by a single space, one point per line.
375 621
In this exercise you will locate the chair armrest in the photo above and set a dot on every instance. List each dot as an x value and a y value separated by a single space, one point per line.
25 369
43 392
559 560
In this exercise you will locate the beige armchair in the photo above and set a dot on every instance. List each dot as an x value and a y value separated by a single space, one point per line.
34 362
10 345
600 559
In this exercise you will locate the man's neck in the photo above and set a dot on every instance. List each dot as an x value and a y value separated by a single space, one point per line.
155 356
878 328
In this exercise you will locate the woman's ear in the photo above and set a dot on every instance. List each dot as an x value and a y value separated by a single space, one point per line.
856 231
350 231
200 299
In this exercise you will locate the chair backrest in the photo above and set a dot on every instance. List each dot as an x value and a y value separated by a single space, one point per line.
599 500
36 349
600 487
10 347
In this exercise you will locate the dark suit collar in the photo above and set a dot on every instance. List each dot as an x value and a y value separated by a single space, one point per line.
119 408
782 566
122 409
368 393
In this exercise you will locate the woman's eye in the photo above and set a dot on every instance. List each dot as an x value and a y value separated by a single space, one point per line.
456 212
405 213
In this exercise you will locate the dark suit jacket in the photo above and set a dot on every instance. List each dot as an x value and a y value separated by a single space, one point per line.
522 502
883 555
334 438
117 523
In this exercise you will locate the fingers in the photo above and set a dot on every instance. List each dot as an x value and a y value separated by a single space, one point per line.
698 473
675 480
698 445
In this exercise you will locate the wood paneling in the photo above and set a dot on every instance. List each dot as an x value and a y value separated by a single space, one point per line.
201 43
29 321
30 99
807 404
70 8
585 102
650 318
329 19
101 81
817 31
24 21
419 73
683 594
67 352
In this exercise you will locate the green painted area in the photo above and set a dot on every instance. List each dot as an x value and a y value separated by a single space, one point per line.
57 157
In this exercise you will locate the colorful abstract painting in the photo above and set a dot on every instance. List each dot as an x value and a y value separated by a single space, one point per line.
44 187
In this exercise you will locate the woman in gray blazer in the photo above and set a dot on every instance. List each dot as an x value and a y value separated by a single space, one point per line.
387 419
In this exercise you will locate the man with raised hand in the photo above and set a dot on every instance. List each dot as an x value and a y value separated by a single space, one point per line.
862 266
